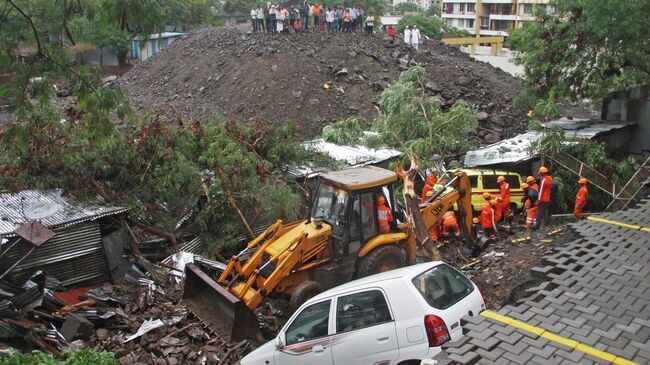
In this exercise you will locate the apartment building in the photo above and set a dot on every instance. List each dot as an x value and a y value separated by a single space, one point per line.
488 17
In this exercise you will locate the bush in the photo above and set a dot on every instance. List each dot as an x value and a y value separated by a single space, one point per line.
81 357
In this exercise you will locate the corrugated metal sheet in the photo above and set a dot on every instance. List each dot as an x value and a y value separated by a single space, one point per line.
74 256
351 156
516 149
48 207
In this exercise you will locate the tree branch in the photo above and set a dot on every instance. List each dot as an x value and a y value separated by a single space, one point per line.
31 24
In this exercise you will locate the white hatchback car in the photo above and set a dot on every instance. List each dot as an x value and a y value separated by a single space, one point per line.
397 317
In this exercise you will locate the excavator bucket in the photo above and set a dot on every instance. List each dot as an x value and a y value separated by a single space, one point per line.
217 308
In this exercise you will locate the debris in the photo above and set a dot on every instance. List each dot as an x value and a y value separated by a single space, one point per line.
546 241
75 326
470 264
494 254
221 54
521 239
146 327
554 232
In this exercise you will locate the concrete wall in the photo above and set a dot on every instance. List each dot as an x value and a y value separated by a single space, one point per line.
631 106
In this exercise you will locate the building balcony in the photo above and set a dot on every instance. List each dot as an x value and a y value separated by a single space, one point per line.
500 33
459 15
499 1
503 17
459 1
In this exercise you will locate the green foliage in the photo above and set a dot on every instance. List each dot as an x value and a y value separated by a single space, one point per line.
344 132
586 49
81 357
431 27
408 7
414 121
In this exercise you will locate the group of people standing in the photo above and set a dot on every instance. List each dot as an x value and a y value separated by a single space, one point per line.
277 19
412 36
538 195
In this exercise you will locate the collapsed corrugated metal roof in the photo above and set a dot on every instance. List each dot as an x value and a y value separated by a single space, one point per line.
516 149
50 208
351 156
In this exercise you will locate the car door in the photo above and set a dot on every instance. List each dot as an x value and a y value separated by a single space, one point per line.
365 330
306 339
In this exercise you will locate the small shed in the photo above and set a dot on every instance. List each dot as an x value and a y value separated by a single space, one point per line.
142 49
85 234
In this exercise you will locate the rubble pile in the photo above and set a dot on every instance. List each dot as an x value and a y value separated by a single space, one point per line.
282 78
139 320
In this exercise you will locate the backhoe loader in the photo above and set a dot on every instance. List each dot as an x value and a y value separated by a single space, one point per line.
339 242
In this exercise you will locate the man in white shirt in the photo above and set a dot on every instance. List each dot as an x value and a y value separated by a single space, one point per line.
254 20
407 35
415 37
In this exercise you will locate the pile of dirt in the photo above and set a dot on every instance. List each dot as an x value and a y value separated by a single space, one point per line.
281 77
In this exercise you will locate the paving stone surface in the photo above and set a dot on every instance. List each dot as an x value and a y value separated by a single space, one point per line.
596 291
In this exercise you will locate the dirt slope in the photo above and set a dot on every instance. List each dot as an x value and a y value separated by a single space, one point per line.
280 78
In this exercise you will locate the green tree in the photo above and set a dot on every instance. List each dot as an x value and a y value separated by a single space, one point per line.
414 121
585 48
408 7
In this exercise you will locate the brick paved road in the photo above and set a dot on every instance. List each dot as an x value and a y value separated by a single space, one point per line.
596 291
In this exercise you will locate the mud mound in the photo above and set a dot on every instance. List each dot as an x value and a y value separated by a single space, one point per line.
280 78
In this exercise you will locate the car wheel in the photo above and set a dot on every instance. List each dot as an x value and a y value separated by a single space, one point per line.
303 292
381 259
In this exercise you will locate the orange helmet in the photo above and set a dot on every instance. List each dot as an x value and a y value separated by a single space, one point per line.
487 196
501 178
582 181
475 220
525 186
381 200
429 193
493 202
543 170
530 180
431 180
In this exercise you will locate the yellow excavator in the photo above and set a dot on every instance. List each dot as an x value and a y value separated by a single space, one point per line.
339 242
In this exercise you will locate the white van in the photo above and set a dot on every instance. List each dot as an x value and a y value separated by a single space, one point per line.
397 317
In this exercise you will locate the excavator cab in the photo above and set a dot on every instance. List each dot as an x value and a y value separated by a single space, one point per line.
347 201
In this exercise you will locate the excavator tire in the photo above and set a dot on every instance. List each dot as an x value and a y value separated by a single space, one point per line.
303 292
383 258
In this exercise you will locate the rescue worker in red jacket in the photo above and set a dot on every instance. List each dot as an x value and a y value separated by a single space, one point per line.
487 219
429 183
504 194
581 198
384 214
450 224
544 201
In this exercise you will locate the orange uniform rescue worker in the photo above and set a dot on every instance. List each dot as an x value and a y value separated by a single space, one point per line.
544 201
449 224
487 219
581 198
504 194
532 183
384 214
429 183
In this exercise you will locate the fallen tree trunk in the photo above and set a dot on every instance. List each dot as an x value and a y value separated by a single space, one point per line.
413 215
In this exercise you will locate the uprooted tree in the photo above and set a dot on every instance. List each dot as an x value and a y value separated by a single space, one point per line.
164 170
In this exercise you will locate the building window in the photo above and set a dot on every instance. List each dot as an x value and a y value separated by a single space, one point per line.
471 8
470 23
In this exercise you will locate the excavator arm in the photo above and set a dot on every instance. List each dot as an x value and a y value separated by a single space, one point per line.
437 205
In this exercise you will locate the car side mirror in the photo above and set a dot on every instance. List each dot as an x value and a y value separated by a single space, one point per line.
279 342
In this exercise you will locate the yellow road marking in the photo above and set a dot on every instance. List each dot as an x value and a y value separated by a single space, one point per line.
631 226
555 338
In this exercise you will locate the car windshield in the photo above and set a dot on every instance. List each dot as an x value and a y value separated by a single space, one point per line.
330 204
443 286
